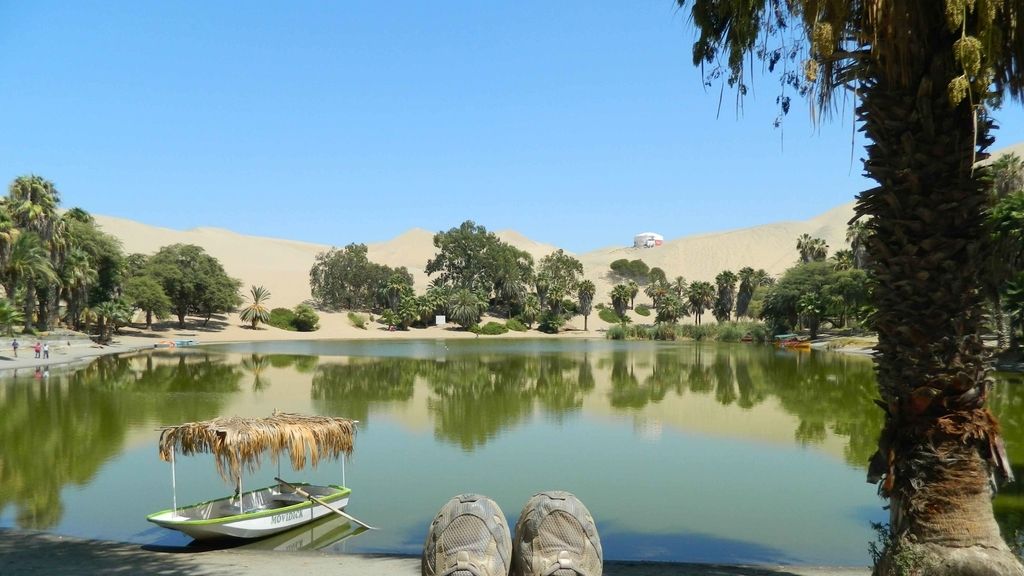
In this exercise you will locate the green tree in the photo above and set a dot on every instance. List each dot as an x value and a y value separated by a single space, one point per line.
531 310
465 258
561 275
346 279
195 282
634 289
32 202
466 307
28 261
585 293
923 73
811 249
9 316
512 272
725 298
857 236
750 281
306 319
624 270
620 299
257 310
700 296
670 309
146 294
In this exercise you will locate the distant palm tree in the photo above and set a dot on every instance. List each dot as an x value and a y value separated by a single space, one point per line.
257 310
858 235
620 299
634 289
679 286
811 249
725 287
586 292
843 260
701 296
466 307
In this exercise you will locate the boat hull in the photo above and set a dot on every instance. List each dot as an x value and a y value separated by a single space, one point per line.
257 514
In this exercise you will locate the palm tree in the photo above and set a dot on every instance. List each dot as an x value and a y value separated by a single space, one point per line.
585 292
924 73
725 284
657 291
76 276
531 310
9 316
27 262
857 236
843 260
672 308
466 307
700 295
634 289
33 202
679 286
620 299
257 310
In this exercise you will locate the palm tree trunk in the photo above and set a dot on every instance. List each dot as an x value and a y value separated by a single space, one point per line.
940 445
29 305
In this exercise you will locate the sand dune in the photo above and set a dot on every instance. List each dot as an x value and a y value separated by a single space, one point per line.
283 265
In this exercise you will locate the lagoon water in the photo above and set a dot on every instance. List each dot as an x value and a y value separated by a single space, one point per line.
682 451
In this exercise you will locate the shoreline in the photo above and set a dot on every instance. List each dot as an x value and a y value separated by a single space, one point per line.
34 553
66 352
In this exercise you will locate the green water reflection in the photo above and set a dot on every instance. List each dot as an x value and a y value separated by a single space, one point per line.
760 452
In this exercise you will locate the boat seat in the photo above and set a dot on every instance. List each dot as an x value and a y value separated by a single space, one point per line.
289 497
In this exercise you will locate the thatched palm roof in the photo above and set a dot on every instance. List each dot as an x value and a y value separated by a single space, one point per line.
236 442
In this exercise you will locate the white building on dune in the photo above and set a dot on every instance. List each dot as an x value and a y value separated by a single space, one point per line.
648 240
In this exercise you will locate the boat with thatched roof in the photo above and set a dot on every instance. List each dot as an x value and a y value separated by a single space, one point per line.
239 444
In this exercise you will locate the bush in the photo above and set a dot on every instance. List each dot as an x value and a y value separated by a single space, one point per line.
489 329
643 310
730 332
609 316
550 322
663 331
357 320
600 306
701 332
617 332
515 324
282 318
306 319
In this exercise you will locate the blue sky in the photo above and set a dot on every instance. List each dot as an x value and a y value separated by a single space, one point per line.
577 123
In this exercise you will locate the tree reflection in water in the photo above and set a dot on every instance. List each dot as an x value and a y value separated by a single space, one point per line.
59 430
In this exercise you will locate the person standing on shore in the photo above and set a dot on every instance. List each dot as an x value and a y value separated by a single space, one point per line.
14 346
46 350
38 348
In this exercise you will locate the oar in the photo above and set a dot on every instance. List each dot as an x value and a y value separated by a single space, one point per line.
302 492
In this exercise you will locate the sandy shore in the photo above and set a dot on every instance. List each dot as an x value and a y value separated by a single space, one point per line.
37 553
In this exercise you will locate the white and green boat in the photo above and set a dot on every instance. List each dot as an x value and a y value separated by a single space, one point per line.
238 443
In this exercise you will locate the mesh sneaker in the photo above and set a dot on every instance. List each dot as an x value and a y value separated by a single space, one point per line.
556 536
468 537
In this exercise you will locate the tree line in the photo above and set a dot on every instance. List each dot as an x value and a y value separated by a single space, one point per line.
59 269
